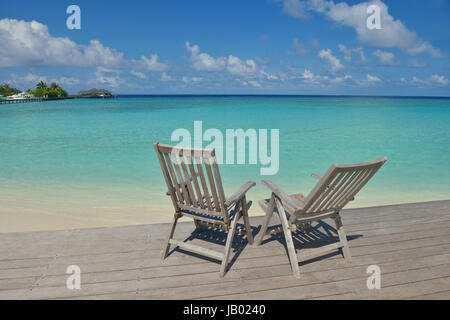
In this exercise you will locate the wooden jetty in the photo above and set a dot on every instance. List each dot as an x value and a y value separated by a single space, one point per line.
410 243
6 101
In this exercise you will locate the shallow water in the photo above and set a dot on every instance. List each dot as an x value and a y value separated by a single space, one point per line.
95 158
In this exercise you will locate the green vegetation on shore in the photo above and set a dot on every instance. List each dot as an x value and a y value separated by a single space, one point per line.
42 90
96 93
6 90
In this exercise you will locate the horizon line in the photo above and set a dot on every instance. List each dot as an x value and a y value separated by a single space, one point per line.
274 95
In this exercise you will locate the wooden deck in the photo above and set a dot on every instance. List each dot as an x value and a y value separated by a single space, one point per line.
410 243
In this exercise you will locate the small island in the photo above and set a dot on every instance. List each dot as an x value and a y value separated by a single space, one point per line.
42 92
52 92
6 90
95 93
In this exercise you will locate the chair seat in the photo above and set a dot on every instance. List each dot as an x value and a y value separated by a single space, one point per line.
219 219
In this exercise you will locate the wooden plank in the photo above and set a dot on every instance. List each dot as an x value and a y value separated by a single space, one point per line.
410 243
197 249
441 295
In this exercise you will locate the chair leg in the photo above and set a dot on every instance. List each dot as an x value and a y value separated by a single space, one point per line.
269 213
289 240
248 229
228 244
172 231
342 238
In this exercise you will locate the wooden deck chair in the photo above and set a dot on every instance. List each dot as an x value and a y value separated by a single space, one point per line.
333 191
195 187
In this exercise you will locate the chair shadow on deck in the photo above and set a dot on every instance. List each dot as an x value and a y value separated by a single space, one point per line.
318 235
218 237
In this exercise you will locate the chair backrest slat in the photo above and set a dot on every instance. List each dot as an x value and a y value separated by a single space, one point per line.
218 179
182 168
195 181
168 163
333 189
169 182
344 185
181 182
212 184
338 186
330 191
207 197
358 186
188 178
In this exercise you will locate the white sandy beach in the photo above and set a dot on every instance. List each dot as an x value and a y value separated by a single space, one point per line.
26 217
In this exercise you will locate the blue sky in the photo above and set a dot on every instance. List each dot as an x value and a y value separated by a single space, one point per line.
229 47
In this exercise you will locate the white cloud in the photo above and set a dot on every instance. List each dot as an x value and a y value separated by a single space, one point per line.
424 48
370 80
440 80
253 83
386 58
349 51
165 77
106 70
334 62
346 52
191 79
268 76
416 64
300 49
393 33
110 81
295 8
30 79
106 77
203 61
308 75
151 64
69 81
238 67
138 74
418 82
341 79
262 61
432 81
30 44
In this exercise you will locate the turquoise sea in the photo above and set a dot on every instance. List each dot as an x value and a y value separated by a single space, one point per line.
94 158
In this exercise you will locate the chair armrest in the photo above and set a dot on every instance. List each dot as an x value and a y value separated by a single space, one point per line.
240 193
281 194
317 176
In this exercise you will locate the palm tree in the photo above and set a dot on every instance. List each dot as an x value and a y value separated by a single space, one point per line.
54 86
41 85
